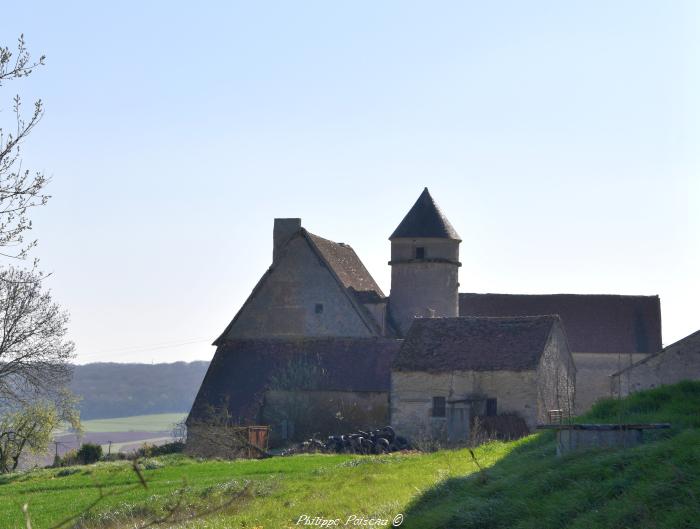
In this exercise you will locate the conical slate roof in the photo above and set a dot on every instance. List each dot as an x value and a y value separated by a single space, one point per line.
425 220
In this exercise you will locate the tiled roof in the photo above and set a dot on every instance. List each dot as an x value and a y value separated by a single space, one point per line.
474 344
593 323
241 370
425 219
347 265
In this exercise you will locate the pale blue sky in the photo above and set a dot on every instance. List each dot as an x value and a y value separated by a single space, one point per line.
560 138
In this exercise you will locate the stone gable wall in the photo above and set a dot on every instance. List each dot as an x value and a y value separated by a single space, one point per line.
556 378
285 305
679 361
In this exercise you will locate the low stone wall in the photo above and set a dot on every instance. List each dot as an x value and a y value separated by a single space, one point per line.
571 440
574 437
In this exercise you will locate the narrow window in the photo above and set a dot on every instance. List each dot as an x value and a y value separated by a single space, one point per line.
491 407
319 308
420 252
438 406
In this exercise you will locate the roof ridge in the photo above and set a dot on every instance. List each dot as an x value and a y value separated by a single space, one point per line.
559 294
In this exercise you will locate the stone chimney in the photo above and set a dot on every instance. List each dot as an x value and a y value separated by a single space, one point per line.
283 231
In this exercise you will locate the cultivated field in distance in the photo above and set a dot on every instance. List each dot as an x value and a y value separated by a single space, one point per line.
125 433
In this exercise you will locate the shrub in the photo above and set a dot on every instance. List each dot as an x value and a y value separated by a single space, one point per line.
89 453
68 459
152 464
147 450
115 456
66 472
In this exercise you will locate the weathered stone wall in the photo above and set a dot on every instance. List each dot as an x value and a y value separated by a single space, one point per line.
285 303
412 393
679 361
297 415
423 287
209 440
593 371
378 312
556 377
198 441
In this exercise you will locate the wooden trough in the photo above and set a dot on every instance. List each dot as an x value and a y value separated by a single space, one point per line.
572 437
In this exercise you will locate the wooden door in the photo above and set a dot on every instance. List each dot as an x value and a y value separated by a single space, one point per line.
458 424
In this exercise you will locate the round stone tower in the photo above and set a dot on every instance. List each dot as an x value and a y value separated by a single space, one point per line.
424 265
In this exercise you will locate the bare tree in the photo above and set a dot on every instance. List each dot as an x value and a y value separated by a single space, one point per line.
34 351
20 189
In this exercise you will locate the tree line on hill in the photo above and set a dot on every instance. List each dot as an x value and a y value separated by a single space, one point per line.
110 390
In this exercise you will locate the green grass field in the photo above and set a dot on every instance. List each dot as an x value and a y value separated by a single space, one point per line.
523 485
158 422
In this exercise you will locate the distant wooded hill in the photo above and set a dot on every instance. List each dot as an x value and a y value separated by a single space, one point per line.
121 390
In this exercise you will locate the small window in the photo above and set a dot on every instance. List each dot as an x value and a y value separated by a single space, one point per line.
438 406
319 308
491 407
420 252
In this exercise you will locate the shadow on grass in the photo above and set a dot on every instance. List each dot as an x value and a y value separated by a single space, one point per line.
652 485
656 484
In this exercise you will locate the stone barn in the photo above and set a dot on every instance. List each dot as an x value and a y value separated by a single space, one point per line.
450 370
679 361
299 387
606 332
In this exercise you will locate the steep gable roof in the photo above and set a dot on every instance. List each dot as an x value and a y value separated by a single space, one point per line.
593 323
425 219
475 344
242 370
345 267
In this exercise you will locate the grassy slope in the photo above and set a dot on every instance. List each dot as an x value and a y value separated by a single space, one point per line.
653 485
525 485
285 488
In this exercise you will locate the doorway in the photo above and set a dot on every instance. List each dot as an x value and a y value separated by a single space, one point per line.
458 418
